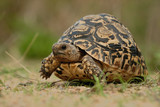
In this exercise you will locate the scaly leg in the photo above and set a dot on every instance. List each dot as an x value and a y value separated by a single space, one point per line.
91 67
49 65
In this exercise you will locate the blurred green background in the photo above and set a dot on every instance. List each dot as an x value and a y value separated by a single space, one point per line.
21 20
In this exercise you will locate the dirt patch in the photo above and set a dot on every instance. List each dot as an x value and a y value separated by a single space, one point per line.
20 89
31 93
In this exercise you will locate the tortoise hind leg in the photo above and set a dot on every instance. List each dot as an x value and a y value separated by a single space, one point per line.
92 68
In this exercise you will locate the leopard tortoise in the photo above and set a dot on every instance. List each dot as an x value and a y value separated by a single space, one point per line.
96 45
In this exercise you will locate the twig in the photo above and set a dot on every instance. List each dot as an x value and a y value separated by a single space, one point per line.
18 62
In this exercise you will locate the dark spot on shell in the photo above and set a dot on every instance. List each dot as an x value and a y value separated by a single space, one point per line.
91 47
115 46
101 46
129 42
118 55
134 51
133 63
113 58
66 41
99 39
124 58
88 21
77 75
112 37
124 36
120 40
115 20
112 27
94 51
125 50
113 51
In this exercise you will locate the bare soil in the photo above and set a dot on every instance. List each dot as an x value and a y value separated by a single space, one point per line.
21 89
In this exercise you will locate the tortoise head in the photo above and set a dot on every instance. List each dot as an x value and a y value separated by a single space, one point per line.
65 52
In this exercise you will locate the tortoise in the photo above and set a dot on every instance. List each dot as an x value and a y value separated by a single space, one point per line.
95 46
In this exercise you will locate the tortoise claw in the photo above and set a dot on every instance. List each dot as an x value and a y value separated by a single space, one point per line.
44 71
49 65
44 74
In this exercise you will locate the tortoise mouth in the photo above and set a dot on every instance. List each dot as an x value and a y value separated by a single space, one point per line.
58 53
60 57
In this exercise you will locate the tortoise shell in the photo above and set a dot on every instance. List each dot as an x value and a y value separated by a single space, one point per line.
105 39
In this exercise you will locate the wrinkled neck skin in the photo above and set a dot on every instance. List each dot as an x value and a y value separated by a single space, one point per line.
64 52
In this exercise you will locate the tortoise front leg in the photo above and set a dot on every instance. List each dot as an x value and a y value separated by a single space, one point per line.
92 68
49 65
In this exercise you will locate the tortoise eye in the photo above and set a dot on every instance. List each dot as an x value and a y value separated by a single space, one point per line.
63 47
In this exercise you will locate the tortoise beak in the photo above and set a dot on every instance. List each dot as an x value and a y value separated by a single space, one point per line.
56 51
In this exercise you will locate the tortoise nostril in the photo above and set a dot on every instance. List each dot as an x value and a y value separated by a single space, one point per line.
63 47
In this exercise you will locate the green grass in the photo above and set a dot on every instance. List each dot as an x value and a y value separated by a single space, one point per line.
42 46
98 86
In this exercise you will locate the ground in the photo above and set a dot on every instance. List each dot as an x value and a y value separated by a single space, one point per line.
18 88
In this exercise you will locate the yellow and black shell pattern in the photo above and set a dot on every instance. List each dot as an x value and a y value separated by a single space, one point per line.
105 39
